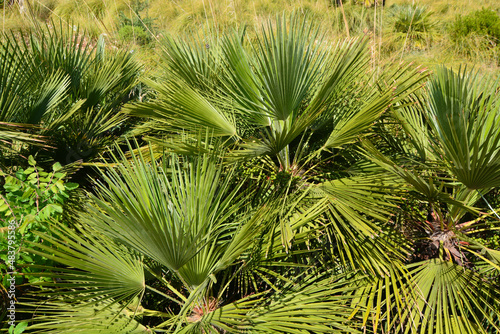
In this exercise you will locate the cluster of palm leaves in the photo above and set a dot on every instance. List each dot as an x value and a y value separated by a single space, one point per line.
61 91
413 25
269 193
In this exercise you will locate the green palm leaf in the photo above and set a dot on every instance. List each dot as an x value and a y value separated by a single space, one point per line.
352 120
429 187
453 299
316 304
194 59
382 300
178 212
357 210
95 267
465 115
182 107
414 124
306 304
45 75
56 317
287 67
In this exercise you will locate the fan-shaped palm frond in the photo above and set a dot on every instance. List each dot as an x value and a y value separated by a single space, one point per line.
453 299
312 303
357 211
194 60
414 124
465 115
182 106
96 269
103 318
198 221
451 140
176 213
24 99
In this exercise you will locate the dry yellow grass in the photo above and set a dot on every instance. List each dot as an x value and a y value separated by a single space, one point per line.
182 16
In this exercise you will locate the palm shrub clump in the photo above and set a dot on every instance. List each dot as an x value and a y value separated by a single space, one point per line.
60 95
412 26
206 234
455 137
62 90
268 197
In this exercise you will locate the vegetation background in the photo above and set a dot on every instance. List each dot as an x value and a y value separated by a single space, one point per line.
224 167
425 31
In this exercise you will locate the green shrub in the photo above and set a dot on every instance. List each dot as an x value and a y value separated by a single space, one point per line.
477 35
484 22
134 34
136 28
29 200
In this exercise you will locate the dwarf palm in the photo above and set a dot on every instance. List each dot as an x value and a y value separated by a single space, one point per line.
452 142
269 96
192 225
297 104
16 85
65 89
317 253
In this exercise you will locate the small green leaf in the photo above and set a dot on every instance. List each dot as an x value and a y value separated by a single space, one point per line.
60 185
20 174
4 207
31 161
29 171
20 327
57 207
26 258
27 194
57 166
27 220
63 195
71 185
48 211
